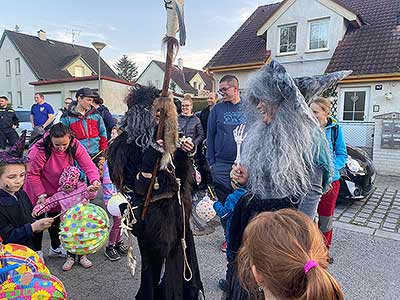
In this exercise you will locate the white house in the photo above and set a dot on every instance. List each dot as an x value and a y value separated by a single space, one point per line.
311 37
35 64
183 80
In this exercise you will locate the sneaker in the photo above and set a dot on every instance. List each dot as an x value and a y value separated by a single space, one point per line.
85 262
68 263
121 248
223 247
111 253
59 252
40 253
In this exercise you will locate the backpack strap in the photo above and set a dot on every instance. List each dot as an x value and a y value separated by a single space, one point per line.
334 136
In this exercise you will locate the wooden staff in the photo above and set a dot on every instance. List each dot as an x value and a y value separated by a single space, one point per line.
175 23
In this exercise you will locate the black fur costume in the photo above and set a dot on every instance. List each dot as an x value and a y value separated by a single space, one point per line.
159 234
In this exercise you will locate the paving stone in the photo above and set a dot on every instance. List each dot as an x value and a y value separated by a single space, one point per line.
392 220
373 225
356 228
345 219
378 215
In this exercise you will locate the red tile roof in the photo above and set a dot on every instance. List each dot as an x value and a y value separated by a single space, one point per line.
372 49
245 47
375 47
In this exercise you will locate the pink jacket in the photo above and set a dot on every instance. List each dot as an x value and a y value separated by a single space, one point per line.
43 176
65 200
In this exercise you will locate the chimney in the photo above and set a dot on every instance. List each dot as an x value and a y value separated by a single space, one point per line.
180 64
42 35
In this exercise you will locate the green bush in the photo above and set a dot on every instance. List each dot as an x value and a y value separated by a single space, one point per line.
199 105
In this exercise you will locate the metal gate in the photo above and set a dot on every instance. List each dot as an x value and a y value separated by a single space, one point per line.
359 134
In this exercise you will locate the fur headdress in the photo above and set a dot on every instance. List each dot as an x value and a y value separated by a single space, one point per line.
281 156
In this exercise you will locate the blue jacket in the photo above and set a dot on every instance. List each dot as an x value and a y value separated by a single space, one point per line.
225 212
339 157
223 119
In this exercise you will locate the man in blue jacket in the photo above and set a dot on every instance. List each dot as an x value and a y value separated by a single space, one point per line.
221 146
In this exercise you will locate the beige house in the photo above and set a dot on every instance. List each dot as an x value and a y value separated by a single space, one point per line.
35 64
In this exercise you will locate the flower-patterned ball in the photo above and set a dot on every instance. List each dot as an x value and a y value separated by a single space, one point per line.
33 286
205 209
84 228
24 258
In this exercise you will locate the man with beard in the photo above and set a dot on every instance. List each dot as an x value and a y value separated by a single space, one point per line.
169 264
285 157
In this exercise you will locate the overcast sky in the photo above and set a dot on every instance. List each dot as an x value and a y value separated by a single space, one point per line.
131 27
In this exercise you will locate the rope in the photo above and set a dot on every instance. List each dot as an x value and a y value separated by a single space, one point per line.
126 224
186 265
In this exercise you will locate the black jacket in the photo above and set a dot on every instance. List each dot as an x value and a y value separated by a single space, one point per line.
15 218
204 114
190 126
8 118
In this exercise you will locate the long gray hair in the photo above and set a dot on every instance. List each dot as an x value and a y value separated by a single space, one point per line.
280 156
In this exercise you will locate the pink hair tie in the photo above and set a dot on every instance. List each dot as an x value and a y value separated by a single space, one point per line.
309 265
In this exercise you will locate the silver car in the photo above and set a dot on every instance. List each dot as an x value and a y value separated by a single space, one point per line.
23 116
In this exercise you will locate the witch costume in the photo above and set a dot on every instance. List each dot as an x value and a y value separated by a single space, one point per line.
15 210
285 153
169 267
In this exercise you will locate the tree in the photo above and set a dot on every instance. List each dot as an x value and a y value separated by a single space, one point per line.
172 86
126 69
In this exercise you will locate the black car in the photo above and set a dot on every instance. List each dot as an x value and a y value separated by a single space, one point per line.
358 176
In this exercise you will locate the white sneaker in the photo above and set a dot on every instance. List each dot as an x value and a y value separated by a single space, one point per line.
59 252
40 253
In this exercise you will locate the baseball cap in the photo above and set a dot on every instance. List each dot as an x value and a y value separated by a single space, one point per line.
85 92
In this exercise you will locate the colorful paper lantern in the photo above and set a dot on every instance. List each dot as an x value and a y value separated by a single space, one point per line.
33 286
25 258
113 204
205 209
84 229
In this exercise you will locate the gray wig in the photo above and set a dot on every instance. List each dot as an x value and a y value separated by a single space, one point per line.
280 156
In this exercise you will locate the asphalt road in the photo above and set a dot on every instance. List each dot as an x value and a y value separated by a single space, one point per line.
367 267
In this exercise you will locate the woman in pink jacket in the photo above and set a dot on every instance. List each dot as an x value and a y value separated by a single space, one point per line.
47 159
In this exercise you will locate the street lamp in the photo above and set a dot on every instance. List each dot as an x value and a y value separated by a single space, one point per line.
99 46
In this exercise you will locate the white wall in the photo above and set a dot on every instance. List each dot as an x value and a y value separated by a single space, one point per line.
377 97
305 62
155 75
242 75
386 161
113 93
15 83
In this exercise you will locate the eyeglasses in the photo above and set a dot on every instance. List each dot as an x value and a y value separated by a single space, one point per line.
186 105
223 90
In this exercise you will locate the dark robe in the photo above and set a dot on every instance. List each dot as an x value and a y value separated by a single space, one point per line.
159 234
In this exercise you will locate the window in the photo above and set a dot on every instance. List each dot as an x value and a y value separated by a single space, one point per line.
287 38
195 85
17 66
8 68
19 99
318 38
9 96
79 71
354 105
149 83
158 84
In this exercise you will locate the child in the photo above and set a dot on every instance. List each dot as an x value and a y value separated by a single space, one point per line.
71 192
16 223
286 254
115 247
225 211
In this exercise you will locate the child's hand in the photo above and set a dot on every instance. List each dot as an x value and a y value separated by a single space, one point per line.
94 187
239 174
42 224
85 201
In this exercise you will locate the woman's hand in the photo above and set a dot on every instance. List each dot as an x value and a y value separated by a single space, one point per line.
239 173
42 224
95 186
187 145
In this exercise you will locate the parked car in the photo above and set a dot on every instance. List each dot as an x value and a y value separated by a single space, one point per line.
358 176
23 116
